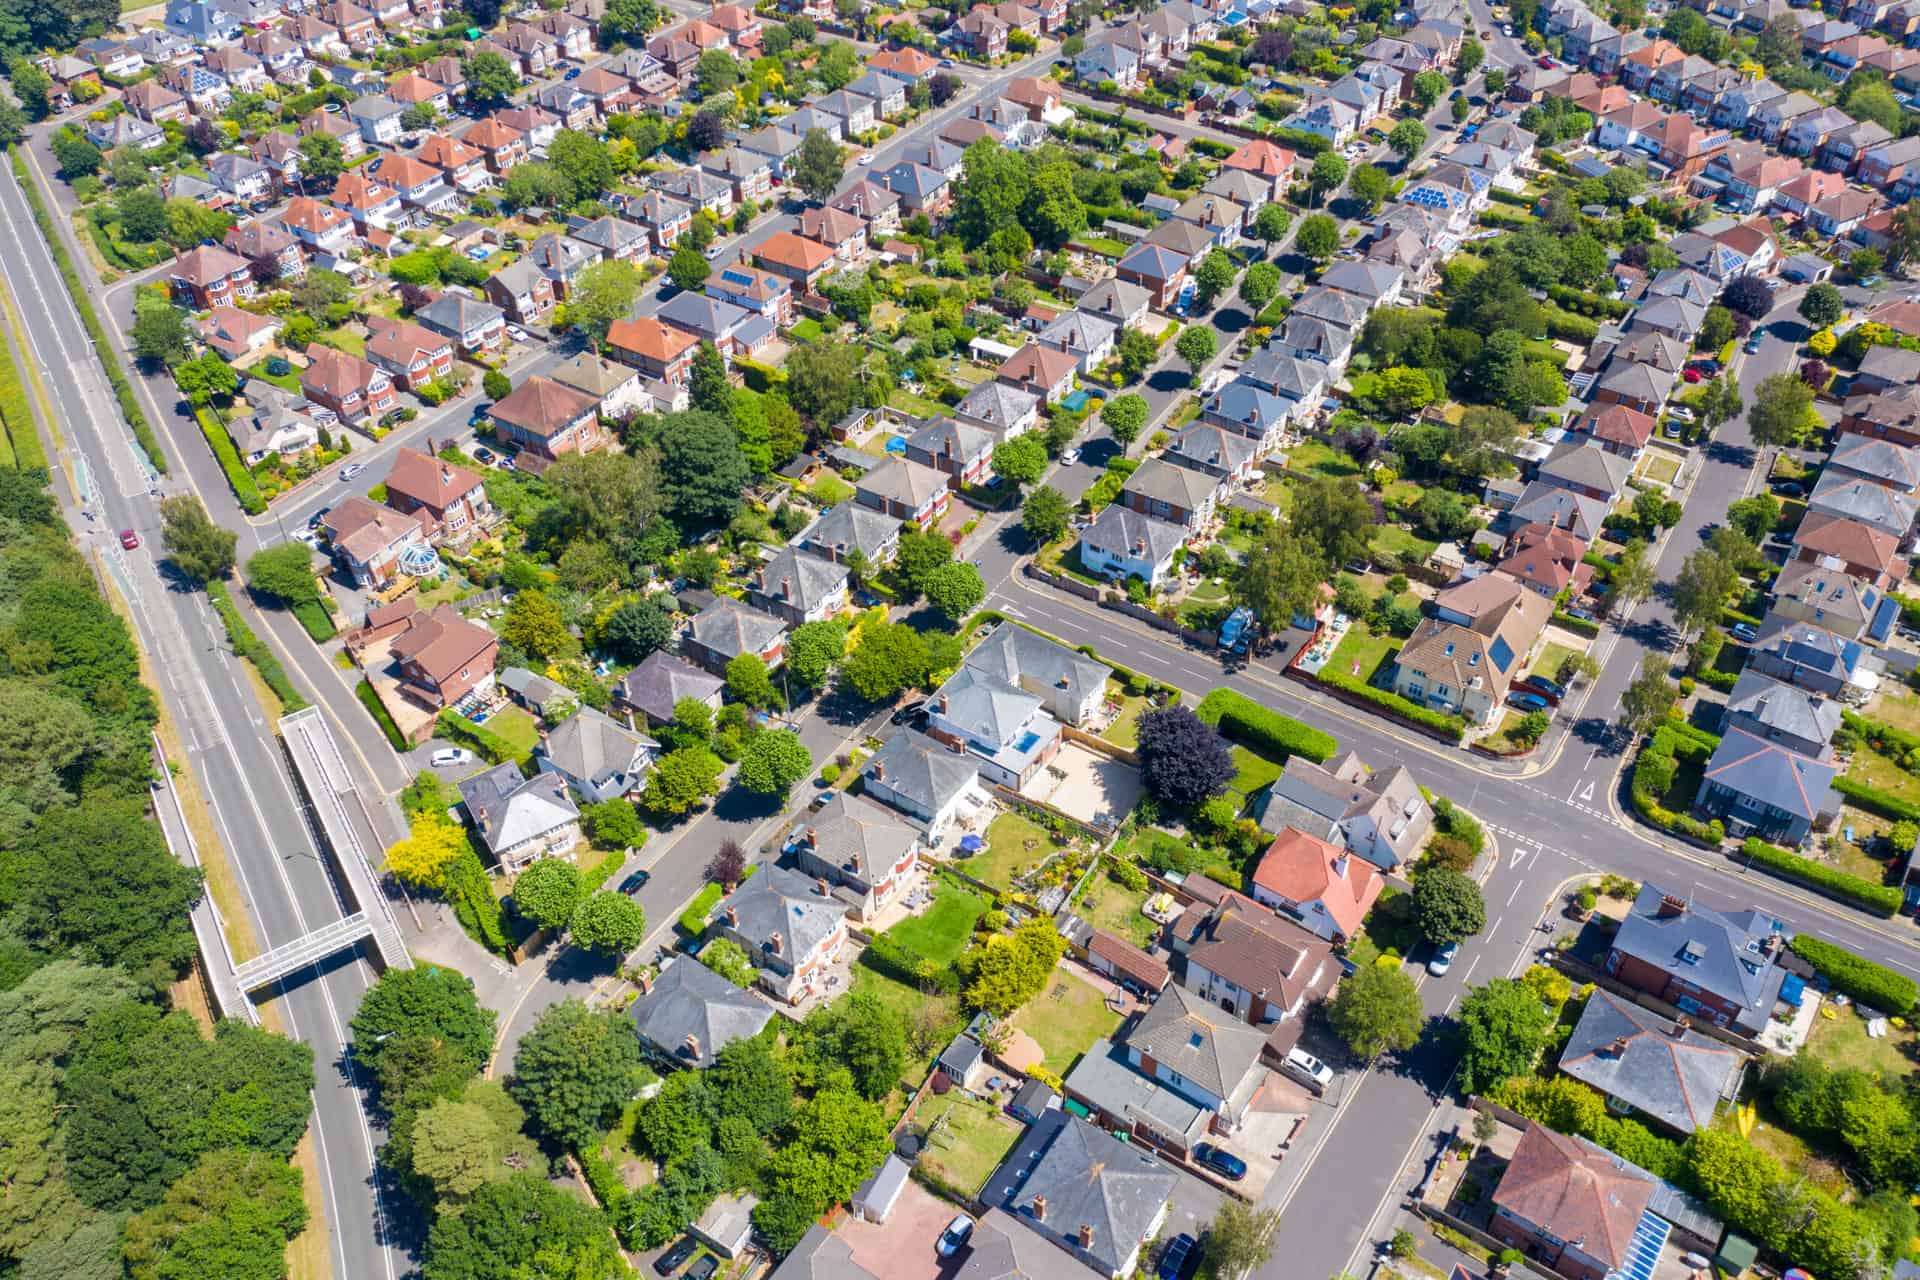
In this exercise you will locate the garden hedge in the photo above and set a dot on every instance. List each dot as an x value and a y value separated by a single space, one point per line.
1871 984
239 479
903 964
457 728
1881 736
1268 732
694 918
370 699
1395 704
1874 800
314 617
1880 899
1579 626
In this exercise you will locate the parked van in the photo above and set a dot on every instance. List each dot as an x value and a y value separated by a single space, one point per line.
1308 1070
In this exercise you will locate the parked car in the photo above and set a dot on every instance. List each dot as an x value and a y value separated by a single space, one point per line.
1224 1163
518 334
1308 1069
675 1258
1551 688
573 73
955 1237
865 157
318 518
1692 374
1789 489
1681 412
1744 632
1543 62
129 539
634 883
1070 457
351 470
1524 701
704 1269
913 711
1750 346
1175 1258
450 756
1442 960
483 456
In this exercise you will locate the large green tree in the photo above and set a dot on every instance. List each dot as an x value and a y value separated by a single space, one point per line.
1447 906
1281 575
520 1228
198 547
604 294
547 892
991 190
702 470
889 657
681 780
819 165
575 1070
1377 1010
285 572
1503 1027
1782 409
608 922
773 761
425 1003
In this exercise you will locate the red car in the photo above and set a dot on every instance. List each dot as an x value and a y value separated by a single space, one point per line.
129 539
1692 374
1544 63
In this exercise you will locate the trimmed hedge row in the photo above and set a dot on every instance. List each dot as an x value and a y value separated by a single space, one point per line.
16 413
1882 900
1395 704
478 911
1874 800
1587 304
249 646
693 920
239 479
1269 732
116 376
1872 984
314 617
1579 626
1671 743
1881 736
457 728
370 699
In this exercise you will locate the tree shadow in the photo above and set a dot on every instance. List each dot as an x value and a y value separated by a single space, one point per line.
1231 319
1169 379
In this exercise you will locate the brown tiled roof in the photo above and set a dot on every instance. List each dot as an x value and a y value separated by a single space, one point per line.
1618 424
208 263
444 152
1038 365
401 340
403 172
337 373
648 337
1576 1191
491 134
311 216
429 480
1852 541
785 249
1303 868
415 88
1254 949
1261 157
542 406
1128 959
442 642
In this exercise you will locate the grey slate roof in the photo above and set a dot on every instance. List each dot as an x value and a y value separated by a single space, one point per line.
985 706
532 686
662 680
1333 306
1863 500
1634 1055
923 771
1719 951
689 999
1114 297
1079 331
1117 526
1004 1247
1202 445
590 743
1278 370
849 825
1089 1179
899 480
778 903
959 440
730 628
801 582
1767 771
996 404
821 1255
1769 707
1587 465
1633 380
849 527
1028 659
1562 508
1883 460
509 809
1160 480
1251 407
1104 1077
1206 1045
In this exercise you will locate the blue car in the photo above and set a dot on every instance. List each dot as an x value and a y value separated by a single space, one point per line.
1526 701
1552 690
1224 1163
1174 1259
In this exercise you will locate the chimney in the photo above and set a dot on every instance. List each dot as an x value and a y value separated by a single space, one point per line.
1139 546
773 943
1618 1047
879 770
1680 1026
692 1045
943 704
1340 867
1039 1208
813 838
1086 1235
820 886
646 982
733 917
786 586
853 863
1671 906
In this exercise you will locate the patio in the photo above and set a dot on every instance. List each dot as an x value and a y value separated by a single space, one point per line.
1084 784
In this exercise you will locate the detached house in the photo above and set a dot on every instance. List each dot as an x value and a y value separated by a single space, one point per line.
865 851
350 386
520 819
476 327
904 490
599 758
209 276
726 629
449 500
1318 885
790 926
411 354
1720 966
548 421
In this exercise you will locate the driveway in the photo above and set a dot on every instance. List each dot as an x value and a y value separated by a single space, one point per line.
1087 785
901 1248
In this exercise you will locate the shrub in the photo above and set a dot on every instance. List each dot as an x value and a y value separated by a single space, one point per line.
1871 984
1877 801
1268 732
1579 626
239 479
1394 704
247 645
457 728
378 710
1880 899
314 617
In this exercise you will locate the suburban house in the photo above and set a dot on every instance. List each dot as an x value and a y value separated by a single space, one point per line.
1201 1051
520 819
597 756
1467 669
1720 966
863 849
661 682
350 386
1158 270
1125 304
617 387
799 589
688 1014
660 352
447 499
1263 968
237 335
1173 493
1380 816
1860 550
1864 501
1070 685
1122 543
794 258
789 925
1007 730
1042 370
1813 658
1828 597
1545 559
367 540
726 629
1000 407
547 420
925 780
1569 1205
960 450
208 276
1070 1183
1762 786
411 354
477 327
848 527
1220 452
1585 469
904 490
1317 884
1648 1067
441 657
278 426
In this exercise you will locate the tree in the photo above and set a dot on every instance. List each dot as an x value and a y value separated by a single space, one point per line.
1822 306
681 779
575 1070
1754 516
992 187
702 470
1318 237
1271 223
1645 702
942 87
707 382
236 1208
1182 761
198 547
1125 416
1460 110
206 378
1701 588
636 629
955 590
864 1036
813 648
823 380
1212 278
819 165
321 159
773 761
1427 88
1281 575
160 333
1406 138
422 858
1021 460
1369 184
1136 352
1632 581
604 294
547 892
491 80
423 1003
142 214
1748 296
285 572
496 385
1716 329
33 87
534 625
78 158
1239 1240
1328 172
1259 285
462 1144
889 657
1332 513
1782 409
1196 345
917 555
688 268
607 496
613 824
523 1226
1447 906
1044 515
726 958
628 21
749 682
1503 1027
1052 211
608 922
1377 1010
1012 968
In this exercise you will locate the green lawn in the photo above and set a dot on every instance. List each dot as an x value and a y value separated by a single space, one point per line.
1876 770
1125 729
1014 844
968 1139
1899 706
830 490
1551 656
806 329
943 1011
345 339
1065 1019
517 726
1310 457
1252 773
1842 1041
918 406
1107 904
1360 645
940 932
1388 929
1401 542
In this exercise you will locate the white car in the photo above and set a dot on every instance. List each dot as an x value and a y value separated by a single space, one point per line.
1304 1066
1070 457
352 469
714 251
1442 960
955 1237
1681 413
518 334
450 757
865 157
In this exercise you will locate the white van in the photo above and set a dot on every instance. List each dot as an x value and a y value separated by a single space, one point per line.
1308 1070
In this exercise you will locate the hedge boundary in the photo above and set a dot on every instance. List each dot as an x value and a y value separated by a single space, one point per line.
694 916
116 376
1240 717
1882 900
1872 984
1874 800
249 646
239 479
370 699
1579 626
457 728
1396 704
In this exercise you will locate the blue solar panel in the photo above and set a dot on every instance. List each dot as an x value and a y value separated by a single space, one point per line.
1649 1238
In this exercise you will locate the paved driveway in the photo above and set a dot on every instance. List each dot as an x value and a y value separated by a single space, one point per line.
901 1248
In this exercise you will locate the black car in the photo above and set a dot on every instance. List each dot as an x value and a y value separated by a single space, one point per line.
675 1258
1175 1257
905 714
703 1269
1224 1163
634 883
